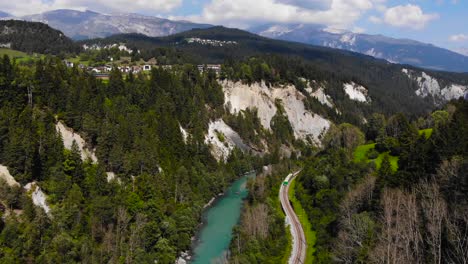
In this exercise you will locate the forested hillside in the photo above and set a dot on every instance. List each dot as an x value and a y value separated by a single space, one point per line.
375 212
152 207
160 144
395 192
386 82
33 37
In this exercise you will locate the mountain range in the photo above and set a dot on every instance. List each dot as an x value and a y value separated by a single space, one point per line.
80 25
88 24
389 84
402 51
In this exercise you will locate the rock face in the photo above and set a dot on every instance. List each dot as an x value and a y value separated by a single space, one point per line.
223 139
69 136
356 92
5 175
239 96
110 176
321 96
185 134
430 86
37 195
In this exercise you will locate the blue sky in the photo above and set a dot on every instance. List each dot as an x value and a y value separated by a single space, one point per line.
451 20
441 22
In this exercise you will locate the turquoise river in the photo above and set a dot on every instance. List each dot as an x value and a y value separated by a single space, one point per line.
215 234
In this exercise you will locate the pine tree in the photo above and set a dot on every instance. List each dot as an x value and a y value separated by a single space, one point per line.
385 172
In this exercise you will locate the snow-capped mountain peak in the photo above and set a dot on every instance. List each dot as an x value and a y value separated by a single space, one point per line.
348 38
403 51
88 24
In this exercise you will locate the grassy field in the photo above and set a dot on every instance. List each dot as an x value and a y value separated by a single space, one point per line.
393 161
19 55
360 155
306 225
426 132
12 53
361 152
76 60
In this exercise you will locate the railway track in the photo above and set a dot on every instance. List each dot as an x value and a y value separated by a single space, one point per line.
299 242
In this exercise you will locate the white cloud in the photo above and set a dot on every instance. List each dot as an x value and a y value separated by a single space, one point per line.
358 30
332 13
311 4
25 7
375 20
408 16
441 2
462 51
459 37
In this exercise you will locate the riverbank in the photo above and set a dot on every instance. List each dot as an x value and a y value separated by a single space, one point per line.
188 256
261 236
219 218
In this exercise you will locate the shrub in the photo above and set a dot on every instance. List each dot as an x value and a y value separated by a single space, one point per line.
372 154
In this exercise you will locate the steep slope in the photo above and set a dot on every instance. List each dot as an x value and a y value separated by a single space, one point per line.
223 139
34 37
390 89
401 51
356 92
89 24
431 86
38 197
69 137
305 124
238 97
7 177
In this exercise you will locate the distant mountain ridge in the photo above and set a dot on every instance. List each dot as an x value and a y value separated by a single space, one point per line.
402 51
4 14
386 81
80 25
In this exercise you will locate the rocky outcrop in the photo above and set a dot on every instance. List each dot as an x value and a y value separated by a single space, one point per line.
6 176
223 139
68 136
38 196
185 134
356 92
239 96
321 96
430 86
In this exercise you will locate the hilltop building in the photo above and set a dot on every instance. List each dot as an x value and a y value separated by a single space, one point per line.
214 67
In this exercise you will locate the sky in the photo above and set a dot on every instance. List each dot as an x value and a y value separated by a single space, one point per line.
440 22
